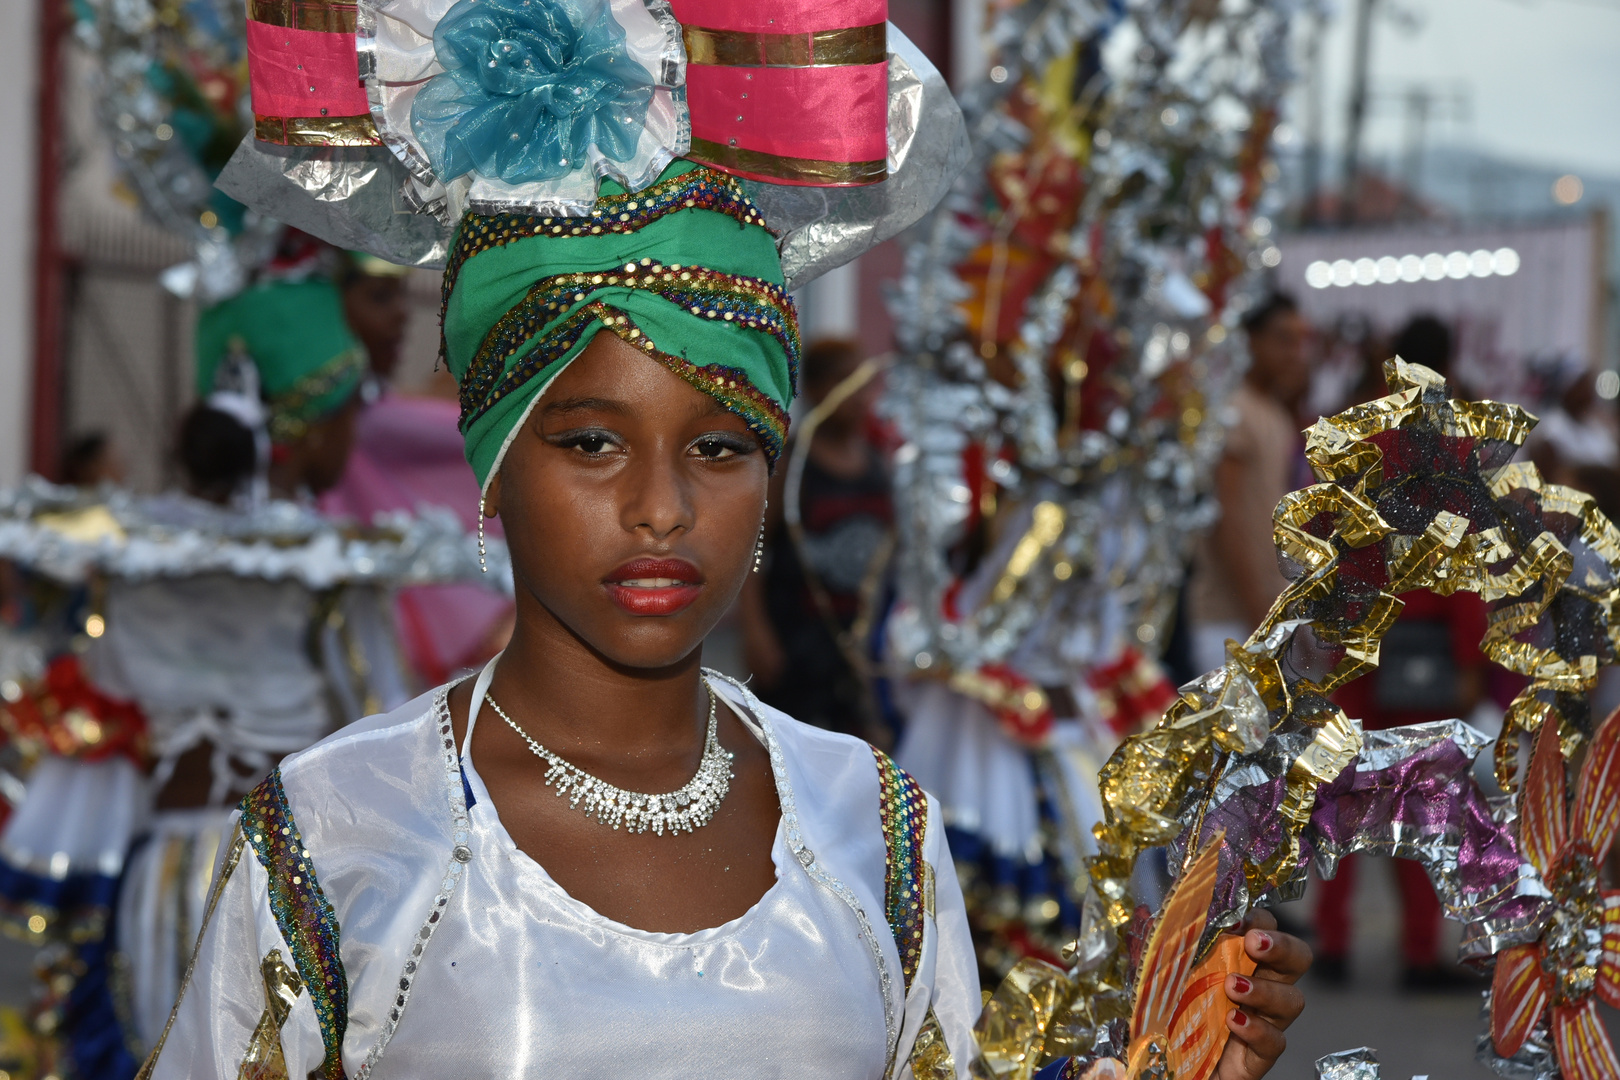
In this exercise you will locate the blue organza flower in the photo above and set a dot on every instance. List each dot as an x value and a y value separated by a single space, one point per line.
528 87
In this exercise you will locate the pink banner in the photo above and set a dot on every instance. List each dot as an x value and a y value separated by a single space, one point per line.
780 16
303 72
825 113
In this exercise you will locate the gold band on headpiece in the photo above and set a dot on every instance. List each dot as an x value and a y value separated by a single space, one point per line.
757 163
822 48
331 16
316 130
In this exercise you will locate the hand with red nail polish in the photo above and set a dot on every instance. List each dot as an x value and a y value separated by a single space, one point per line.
1266 1003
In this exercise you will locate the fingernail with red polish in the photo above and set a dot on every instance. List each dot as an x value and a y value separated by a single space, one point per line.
1239 1018
1241 985
1263 943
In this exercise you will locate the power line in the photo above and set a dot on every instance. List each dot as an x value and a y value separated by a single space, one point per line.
1602 5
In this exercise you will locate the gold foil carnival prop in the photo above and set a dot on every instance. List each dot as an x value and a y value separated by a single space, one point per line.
930 1057
1012 1029
1417 492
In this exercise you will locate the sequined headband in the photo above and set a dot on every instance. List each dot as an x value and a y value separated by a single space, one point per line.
684 270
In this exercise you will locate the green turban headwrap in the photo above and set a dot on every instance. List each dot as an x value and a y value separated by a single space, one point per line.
684 270
295 333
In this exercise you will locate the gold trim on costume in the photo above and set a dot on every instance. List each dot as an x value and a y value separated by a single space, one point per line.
930 1058
332 16
821 48
800 170
316 130
226 868
264 1059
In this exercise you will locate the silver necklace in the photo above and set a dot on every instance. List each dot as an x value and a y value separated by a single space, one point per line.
686 808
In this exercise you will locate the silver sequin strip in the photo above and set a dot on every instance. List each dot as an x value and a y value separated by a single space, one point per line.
460 856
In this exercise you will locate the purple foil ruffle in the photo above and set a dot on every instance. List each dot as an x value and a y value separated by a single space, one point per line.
1412 793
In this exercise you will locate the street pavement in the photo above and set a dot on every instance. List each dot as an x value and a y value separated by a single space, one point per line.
1414 1034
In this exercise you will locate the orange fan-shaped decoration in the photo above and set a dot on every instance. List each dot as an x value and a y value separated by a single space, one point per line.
1178 1027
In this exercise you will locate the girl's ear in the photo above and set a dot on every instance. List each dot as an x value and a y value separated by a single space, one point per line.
492 499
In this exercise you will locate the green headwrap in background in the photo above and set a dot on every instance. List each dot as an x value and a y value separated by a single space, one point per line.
295 333
684 269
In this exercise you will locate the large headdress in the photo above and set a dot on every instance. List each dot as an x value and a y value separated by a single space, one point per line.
667 170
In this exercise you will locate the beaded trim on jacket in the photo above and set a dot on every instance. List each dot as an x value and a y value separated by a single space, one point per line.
302 912
907 884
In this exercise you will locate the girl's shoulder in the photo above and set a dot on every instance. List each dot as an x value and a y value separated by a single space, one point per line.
821 767
375 751
386 788
843 800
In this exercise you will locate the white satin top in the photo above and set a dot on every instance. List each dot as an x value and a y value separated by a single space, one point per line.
464 958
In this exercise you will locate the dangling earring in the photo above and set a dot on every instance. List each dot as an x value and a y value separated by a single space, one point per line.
483 567
759 542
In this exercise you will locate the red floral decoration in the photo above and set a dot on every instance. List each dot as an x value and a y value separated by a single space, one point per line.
67 716
1022 708
1577 959
1132 692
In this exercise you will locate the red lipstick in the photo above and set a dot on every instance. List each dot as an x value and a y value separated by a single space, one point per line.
654 586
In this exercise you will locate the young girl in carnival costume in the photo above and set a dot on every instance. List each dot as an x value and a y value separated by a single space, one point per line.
596 857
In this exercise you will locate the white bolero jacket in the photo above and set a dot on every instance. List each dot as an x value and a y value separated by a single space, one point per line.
372 916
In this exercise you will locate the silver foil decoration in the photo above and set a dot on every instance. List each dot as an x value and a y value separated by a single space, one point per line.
396 58
73 535
168 95
1536 1059
369 199
1132 490
1424 803
358 197
820 229
1358 1064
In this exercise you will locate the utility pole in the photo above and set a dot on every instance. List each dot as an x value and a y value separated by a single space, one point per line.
1358 111
1313 120
49 298
1419 107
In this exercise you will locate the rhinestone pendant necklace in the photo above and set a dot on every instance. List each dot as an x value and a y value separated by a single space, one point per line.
686 808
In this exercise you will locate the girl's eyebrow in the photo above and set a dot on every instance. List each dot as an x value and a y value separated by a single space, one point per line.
588 404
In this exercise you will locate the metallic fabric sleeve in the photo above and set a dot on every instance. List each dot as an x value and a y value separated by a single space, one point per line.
953 1003
222 999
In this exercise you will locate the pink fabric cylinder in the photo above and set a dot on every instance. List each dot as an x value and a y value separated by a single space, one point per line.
789 17
819 113
304 73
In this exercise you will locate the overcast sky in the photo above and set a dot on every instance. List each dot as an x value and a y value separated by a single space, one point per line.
1542 77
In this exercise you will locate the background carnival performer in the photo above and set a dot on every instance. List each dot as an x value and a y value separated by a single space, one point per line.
407 454
1068 332
217 634
625 373
1234 578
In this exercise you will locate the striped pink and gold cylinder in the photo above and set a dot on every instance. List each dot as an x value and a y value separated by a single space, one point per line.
792 92
305 76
